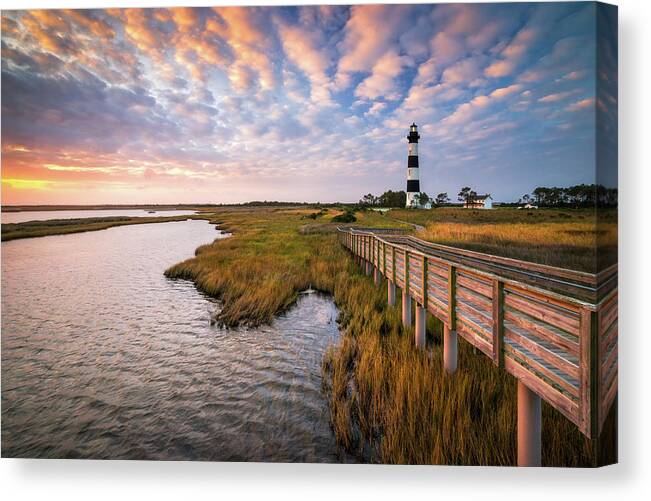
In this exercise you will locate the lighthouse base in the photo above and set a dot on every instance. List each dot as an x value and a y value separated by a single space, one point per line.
413 200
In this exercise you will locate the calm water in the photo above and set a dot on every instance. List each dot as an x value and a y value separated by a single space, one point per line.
21 217
104 357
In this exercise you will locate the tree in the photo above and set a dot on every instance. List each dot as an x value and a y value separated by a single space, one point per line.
442 199
368 199
392 199
466 194
423 199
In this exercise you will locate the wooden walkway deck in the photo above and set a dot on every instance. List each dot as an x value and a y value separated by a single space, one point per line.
553 329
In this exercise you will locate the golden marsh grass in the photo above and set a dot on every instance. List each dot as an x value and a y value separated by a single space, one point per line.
389 402
558 237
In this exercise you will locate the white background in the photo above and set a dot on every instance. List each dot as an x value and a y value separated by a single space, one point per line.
100 480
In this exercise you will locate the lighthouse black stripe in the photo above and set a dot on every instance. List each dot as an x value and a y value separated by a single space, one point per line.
412 161
413 185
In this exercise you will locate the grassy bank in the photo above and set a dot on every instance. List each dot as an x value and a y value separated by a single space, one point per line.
389 402
558 237
30 229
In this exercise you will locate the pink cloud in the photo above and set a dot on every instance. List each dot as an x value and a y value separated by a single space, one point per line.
581 105
304 49
506 91
558 96
382 81
364 43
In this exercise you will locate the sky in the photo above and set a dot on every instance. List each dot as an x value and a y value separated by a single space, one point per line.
225 105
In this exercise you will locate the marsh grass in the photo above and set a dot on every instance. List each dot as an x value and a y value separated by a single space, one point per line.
391 403
31 229
579 239
388 402
260 270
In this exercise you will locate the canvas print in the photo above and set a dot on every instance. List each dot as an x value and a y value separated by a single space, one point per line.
337 234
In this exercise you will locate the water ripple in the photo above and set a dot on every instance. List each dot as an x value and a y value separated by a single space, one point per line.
103 357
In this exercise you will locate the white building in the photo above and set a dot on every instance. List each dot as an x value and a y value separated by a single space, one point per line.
479 202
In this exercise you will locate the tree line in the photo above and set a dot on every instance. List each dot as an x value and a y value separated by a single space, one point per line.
392 199
580 195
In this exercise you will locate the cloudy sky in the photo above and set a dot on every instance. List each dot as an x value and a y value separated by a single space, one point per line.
308 103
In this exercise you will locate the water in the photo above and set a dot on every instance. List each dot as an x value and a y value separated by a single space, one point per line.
103 357
21 217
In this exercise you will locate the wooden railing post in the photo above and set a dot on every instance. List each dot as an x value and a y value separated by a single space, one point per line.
589 363
498 323
421 310
384 259
407 271
450 343
357 250
368 248
367 252
452 297
393 263
424 284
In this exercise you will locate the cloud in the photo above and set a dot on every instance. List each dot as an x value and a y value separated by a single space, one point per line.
304 49
506 91
558 96
249 43
363 43
512 54
581 105
376 108
225 104
383 79
466 70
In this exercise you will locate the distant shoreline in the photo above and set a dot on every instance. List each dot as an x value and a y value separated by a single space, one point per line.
29 208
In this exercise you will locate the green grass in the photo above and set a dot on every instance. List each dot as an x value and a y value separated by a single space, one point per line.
389 402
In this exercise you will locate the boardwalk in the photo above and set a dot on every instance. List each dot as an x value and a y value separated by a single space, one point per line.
553 329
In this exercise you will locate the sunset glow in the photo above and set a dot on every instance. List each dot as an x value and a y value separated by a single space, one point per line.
310 103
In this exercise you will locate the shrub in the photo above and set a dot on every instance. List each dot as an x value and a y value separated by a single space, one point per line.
346 217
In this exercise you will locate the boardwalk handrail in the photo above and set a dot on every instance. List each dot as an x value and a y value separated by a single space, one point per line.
553 329
588 287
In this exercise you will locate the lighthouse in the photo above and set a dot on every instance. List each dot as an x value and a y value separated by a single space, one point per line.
413 182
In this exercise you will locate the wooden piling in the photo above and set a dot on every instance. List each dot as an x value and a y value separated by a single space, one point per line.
376 276
391 292
406 308
450 347
420 330
529 427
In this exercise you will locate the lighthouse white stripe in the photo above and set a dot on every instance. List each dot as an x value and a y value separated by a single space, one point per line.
412 149
412 173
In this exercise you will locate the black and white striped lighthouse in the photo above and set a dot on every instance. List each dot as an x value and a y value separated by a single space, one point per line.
413 182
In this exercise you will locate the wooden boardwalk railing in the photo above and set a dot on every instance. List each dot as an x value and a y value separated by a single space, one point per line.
553 329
